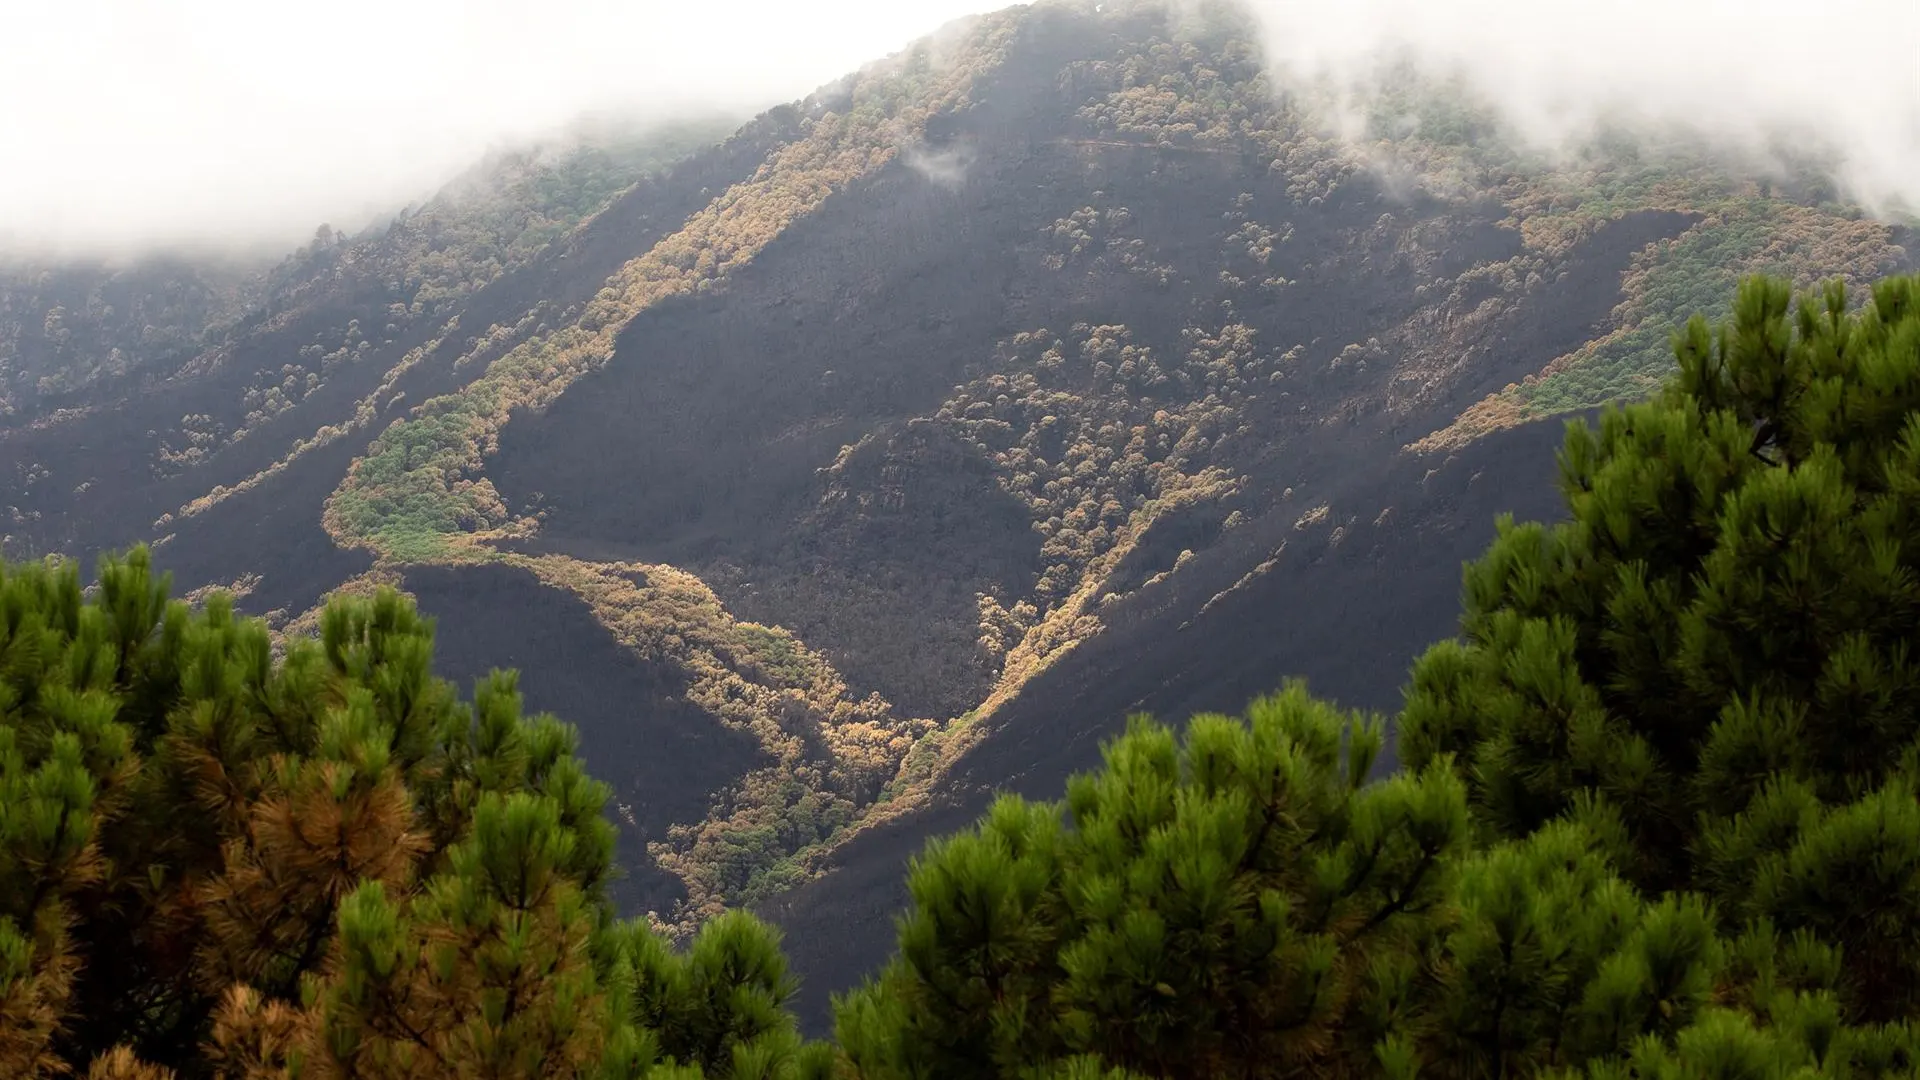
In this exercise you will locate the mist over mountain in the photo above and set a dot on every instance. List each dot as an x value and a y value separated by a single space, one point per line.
213 123
835 468
209 125
1753 79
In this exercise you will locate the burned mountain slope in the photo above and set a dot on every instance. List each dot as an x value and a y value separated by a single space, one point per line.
179 454
891 451
1346 611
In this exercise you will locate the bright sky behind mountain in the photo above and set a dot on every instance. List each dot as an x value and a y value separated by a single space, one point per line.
126 124
157 120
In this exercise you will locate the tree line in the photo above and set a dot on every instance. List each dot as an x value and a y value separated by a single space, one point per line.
1657 817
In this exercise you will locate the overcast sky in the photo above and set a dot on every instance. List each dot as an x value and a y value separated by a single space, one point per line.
134 123
138 121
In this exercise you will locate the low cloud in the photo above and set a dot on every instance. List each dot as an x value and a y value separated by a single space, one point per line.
946 166
1840 78
129 125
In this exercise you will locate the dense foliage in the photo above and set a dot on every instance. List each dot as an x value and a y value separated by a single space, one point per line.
1657 818
218 863
1718 643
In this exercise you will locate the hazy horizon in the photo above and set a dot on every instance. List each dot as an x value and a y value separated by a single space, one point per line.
211 124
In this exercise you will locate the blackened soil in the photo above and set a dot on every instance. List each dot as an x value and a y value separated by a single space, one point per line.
664 758
1349 618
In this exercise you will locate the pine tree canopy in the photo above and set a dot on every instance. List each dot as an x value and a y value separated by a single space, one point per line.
216 863
1658 816
1717 649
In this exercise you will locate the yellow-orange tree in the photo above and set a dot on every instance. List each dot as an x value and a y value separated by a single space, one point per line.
216 863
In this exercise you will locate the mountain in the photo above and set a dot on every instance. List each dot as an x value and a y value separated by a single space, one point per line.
893 448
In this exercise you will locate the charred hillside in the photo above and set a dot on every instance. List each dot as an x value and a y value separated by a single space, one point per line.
890 451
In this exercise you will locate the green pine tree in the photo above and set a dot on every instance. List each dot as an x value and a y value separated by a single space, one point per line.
1718 644
216 864
1220 905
